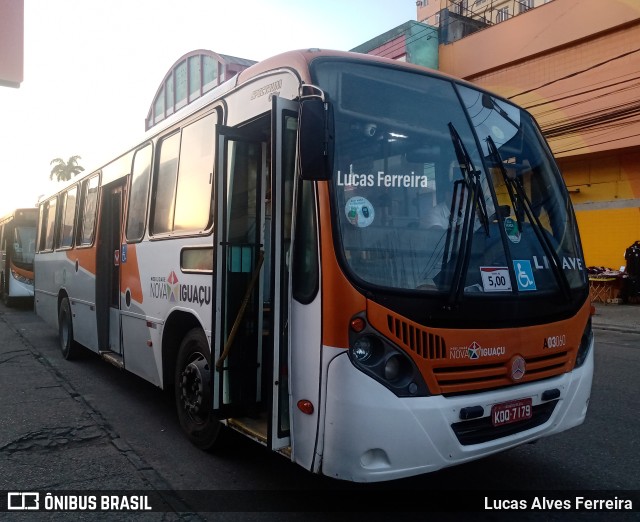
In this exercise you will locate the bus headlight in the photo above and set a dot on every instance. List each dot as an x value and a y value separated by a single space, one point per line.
396 368
375 356
364 348
21 278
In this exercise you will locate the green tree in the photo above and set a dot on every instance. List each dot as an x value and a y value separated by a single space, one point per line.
64 170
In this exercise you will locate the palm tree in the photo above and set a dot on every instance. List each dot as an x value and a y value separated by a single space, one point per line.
63 171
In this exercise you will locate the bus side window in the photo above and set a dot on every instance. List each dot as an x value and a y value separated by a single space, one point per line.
183 182
139 194
86 224
305 275
40 233
195 176
48 225
68 214
164 185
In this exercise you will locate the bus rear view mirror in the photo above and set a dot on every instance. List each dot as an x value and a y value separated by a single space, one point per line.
313 144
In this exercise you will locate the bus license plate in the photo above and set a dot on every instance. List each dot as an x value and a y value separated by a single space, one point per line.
513 411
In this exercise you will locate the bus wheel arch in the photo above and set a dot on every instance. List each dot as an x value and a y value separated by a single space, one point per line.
175 329
68 345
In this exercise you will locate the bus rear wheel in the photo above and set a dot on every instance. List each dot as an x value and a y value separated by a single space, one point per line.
68 345
4 292
192 387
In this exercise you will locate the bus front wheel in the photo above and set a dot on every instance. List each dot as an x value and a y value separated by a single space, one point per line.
193 391
65 331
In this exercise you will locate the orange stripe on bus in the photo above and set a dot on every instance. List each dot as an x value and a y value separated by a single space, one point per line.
86 258
21 271
130 275
340 300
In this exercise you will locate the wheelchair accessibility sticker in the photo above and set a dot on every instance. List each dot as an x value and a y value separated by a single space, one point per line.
524 275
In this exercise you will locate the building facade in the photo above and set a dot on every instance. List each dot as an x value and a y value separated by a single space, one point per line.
411 42
192 75
487 12
11 43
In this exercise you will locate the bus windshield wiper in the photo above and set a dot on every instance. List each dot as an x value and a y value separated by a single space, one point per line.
522 205
509 182
467 192
471 177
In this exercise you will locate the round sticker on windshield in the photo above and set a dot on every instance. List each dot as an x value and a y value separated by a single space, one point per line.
359 211
512 230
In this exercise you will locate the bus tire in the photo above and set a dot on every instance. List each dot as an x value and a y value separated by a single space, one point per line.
5 293
192 388
68 346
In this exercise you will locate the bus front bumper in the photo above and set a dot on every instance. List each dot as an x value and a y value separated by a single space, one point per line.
372 435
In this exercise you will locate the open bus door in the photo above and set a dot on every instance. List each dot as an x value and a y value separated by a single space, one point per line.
108 272
284 127
239 308
253 217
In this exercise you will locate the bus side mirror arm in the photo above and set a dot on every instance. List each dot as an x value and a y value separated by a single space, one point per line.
314 140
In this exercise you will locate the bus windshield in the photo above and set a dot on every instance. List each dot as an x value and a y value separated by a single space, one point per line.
23 245
440 187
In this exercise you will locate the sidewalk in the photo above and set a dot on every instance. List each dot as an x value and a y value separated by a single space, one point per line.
51 439
619 317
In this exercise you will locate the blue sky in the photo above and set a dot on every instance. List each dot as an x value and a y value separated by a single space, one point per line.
92 67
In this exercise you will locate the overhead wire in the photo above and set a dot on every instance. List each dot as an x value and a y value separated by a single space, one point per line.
581 93
594 119
564 151
561 109
575 73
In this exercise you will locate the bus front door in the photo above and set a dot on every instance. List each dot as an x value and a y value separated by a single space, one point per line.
254 198
284 127
240 216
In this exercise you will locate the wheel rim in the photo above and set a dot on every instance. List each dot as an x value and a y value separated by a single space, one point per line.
64 332
194 388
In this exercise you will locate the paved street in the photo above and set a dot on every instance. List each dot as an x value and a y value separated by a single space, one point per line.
52 437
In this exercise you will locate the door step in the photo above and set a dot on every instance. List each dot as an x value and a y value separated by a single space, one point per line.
112 357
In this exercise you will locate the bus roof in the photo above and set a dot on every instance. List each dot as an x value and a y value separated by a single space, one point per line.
300 60
20 212
295 60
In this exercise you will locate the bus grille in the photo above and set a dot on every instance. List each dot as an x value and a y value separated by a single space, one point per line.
421 342
450 377
461 379
477 431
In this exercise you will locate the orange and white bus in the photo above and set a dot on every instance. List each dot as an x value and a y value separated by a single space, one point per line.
369 267
17 249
